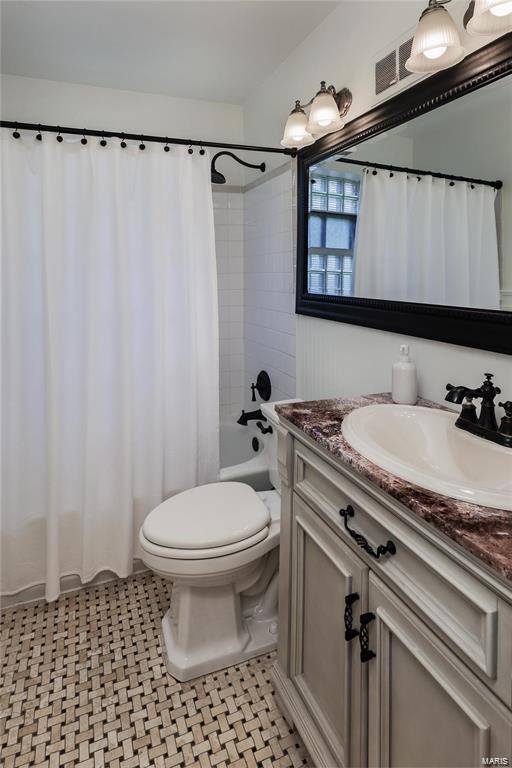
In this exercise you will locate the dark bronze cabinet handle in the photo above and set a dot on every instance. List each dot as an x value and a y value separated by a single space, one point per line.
388 548
350 631
366 653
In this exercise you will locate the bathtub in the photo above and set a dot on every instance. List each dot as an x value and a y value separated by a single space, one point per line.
241 461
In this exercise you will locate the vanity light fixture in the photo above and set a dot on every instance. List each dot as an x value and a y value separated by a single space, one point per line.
488 17
327 109
295 130
436 44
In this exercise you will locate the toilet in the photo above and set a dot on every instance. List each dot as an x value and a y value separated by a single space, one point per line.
219 545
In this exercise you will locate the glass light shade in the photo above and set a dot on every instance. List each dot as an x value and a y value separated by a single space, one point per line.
490 17
324 115
436 43
295 132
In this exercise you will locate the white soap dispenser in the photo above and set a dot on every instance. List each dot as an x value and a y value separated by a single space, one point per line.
404 386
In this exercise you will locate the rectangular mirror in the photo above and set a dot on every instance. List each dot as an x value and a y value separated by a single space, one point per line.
407 226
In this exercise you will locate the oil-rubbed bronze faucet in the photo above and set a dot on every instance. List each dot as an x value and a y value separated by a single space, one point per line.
484 425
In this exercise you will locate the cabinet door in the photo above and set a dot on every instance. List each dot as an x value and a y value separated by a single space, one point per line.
425 708
325 667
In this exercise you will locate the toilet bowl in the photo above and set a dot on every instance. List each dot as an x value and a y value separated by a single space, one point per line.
218 544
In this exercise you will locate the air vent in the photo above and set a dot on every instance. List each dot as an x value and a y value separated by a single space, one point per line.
403 54
385 73
390 68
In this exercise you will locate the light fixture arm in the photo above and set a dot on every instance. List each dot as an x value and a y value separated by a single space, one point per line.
343 97
433 4
469 14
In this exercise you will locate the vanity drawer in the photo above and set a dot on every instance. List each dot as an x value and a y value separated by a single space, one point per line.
454 602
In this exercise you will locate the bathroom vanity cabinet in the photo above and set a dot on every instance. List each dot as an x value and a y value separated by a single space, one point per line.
401 660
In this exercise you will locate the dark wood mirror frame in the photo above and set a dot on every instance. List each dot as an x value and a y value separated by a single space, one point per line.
478 328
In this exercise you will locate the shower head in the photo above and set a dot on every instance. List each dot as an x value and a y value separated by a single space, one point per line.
219 178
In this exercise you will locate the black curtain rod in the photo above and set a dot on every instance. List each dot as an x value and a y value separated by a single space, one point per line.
415 172
139 136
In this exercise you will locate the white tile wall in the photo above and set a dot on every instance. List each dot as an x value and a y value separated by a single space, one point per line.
269 286
229 228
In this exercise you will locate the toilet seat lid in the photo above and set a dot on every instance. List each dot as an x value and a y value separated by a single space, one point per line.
207 516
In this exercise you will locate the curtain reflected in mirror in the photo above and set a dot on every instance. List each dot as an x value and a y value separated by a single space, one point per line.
415 215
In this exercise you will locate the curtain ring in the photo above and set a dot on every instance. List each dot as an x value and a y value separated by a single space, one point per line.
16 133
83 140
123 142
374 172
59 137
142 146
202 151
38 134
103 141
452 183
391 175
167 147
472 186
190 150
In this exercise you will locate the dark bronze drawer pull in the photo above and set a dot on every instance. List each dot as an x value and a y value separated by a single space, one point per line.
388 548
366 653
350 631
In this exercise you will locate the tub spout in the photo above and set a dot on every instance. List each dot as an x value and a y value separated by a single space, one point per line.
245 418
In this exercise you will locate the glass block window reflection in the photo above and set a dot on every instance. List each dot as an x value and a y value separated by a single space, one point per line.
334 203
330 274
333 194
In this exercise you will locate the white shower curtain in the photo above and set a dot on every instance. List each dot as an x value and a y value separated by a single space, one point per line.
423 240
110 349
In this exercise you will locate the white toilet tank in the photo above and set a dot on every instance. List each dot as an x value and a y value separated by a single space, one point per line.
268 410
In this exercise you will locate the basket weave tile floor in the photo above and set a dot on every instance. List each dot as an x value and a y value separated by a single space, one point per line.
84 684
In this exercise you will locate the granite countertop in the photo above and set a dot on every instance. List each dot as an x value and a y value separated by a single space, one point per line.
484 531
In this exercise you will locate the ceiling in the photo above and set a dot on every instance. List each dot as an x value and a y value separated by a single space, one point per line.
218 51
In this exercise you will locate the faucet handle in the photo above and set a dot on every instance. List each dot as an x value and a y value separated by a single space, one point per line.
507 406
488 387
253 389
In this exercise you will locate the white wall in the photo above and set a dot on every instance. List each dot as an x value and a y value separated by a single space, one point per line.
269 289
336 358
31 100
341 50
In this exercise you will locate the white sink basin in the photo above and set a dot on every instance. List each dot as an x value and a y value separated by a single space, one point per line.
423 446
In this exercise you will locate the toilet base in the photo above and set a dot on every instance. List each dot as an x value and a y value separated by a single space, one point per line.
209 629
261 639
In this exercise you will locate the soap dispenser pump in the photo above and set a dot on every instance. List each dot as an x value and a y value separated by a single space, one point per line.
404 386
